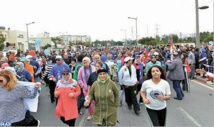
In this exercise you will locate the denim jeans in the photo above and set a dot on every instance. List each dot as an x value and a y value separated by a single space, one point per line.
177 88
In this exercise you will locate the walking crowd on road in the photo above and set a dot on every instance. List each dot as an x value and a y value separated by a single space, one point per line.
100 79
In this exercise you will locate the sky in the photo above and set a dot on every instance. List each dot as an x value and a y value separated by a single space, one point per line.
104 19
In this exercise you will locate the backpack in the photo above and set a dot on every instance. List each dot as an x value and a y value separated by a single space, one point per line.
76 71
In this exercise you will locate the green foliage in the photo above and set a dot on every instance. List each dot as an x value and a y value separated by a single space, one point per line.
165 38
2 39
206 36
148 41
56 41
87 44
46 46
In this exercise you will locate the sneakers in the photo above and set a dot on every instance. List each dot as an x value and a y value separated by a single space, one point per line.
137 112
90 117
130 107
38 123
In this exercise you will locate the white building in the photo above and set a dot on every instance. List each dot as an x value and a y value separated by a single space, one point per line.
75 38
18 40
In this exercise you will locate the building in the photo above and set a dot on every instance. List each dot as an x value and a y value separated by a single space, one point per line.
14 39
17 40
75 39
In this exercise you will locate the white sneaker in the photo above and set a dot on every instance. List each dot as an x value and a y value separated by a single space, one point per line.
38 123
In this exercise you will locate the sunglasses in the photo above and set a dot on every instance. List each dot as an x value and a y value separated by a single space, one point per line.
58 59
65 74
1 81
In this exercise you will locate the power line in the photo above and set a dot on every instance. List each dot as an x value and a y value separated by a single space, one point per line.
206 3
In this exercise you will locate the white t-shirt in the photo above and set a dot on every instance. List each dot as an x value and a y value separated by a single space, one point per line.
152 91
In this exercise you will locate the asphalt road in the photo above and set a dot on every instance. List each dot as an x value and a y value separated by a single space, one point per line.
196 109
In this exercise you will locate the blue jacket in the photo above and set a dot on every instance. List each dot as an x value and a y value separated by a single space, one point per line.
203 56
23 75
35 63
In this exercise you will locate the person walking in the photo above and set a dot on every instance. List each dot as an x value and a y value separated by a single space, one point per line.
106 95
128 79
84 72
67 91
52 84
12 95
155 91
176 75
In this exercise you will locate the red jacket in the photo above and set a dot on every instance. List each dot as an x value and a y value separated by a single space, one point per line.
187 66
67 106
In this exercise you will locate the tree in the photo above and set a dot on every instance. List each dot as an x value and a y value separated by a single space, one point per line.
175 38
2 39
165 38
148 41
157 38
46 46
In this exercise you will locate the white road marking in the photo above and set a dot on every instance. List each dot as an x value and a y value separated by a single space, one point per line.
83 120
189 117
202 84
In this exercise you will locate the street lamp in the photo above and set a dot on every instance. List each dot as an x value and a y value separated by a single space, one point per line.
197 22
125 36
136 27
27 33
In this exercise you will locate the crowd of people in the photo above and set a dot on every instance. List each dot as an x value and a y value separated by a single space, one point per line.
98 79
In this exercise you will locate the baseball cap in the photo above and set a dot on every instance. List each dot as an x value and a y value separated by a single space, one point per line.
156 53
29 56
65 71
58 57
128 58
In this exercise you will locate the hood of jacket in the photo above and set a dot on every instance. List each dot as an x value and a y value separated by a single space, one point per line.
21 65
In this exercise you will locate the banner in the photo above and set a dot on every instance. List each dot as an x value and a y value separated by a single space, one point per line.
30 104
172 48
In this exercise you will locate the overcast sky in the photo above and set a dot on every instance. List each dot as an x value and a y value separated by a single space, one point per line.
104 19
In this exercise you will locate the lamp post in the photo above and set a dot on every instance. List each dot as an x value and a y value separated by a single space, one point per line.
197 22
125 36
136 27
27 33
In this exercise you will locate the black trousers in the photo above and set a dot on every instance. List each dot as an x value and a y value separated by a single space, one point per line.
68 122
52 86
158 117
130 95
138 90
29 120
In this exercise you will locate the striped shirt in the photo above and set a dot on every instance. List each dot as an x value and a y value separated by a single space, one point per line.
47 72
12 107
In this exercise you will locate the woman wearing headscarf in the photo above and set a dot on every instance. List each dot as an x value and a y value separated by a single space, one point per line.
155 91
12 94
84 72
67 90
106 95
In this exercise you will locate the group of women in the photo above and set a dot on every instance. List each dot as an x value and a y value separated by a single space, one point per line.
155 91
